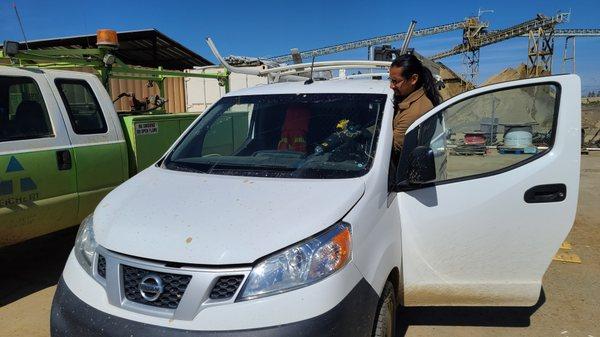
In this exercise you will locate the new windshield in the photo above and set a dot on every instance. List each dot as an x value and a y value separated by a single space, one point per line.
297 136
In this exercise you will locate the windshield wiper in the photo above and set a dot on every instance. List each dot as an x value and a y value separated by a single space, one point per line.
225 166
182 167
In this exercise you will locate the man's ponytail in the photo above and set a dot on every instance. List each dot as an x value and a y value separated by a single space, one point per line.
412 65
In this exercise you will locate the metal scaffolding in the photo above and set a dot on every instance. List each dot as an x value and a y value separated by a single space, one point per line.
474 28
579 32
540 49
501 35
540 31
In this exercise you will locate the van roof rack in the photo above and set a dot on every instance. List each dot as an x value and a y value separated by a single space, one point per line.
293 72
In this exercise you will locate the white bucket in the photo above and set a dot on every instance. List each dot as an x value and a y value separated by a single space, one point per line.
517 138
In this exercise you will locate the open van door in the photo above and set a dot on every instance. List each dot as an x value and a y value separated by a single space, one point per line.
485 230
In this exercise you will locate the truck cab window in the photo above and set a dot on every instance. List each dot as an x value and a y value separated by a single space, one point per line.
82 106
23 113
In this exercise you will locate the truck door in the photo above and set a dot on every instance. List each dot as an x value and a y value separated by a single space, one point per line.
98 145
38 192
485 230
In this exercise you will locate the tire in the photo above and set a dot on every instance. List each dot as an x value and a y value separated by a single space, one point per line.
385 316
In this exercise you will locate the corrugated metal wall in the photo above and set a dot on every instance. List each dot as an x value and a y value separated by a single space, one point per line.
174 87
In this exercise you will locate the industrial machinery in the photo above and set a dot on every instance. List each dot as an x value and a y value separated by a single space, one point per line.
367 43
541 32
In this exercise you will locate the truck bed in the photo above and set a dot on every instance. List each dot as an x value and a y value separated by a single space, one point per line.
149 136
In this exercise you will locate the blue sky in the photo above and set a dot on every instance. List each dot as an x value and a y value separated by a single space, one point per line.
270 28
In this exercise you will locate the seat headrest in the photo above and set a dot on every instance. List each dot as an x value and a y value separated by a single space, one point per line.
297 119
30 117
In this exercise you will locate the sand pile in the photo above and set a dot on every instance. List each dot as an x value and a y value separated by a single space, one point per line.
590 120
454 84
508 74
520 105
511 74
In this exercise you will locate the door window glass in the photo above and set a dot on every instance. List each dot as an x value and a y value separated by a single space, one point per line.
23 113
82 106
491 131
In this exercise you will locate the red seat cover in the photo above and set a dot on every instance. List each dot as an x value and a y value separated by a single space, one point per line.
294 130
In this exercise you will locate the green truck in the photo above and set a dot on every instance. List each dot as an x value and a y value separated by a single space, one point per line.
63 147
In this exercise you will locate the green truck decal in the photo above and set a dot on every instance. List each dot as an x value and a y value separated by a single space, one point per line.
8 187
36 198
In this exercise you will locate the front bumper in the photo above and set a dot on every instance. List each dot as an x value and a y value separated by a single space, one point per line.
353 316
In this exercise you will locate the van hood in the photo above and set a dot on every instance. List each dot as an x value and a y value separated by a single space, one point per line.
207 219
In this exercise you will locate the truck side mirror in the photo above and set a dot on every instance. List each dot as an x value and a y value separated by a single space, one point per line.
421 166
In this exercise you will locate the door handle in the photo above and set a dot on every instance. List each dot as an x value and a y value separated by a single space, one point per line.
546 193
63 160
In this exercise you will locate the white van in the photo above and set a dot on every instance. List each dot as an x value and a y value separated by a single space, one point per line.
276 214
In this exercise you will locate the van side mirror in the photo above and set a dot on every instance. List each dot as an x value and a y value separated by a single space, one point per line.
421 166
420 169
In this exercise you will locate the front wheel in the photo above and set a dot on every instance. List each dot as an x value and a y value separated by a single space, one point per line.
385 317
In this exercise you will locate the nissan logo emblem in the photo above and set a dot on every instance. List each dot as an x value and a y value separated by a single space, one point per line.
151 287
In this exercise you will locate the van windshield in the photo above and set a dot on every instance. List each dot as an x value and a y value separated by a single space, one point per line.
322 136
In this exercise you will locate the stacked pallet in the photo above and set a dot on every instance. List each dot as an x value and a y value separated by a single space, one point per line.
469 150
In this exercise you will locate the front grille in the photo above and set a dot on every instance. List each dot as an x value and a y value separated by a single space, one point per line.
174 287
101 266
226 287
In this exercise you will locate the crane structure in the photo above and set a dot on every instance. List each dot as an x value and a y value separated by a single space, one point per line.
540 31
367 43
473 29
486 38
540 49
577 32
570 35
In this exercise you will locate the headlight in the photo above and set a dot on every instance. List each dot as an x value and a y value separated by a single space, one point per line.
85 244
302 264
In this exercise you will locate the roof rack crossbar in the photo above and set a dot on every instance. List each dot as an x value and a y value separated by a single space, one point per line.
295 69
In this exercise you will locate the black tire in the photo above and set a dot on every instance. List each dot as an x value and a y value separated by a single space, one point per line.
385 316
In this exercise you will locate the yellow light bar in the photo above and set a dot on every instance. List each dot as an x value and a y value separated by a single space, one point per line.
107 37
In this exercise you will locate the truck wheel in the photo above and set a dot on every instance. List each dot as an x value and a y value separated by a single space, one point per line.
385 316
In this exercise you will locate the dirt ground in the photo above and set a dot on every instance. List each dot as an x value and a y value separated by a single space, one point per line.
569 305
590 122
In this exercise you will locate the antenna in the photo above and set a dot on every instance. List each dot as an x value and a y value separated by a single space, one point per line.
483 11
312 66
20 24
